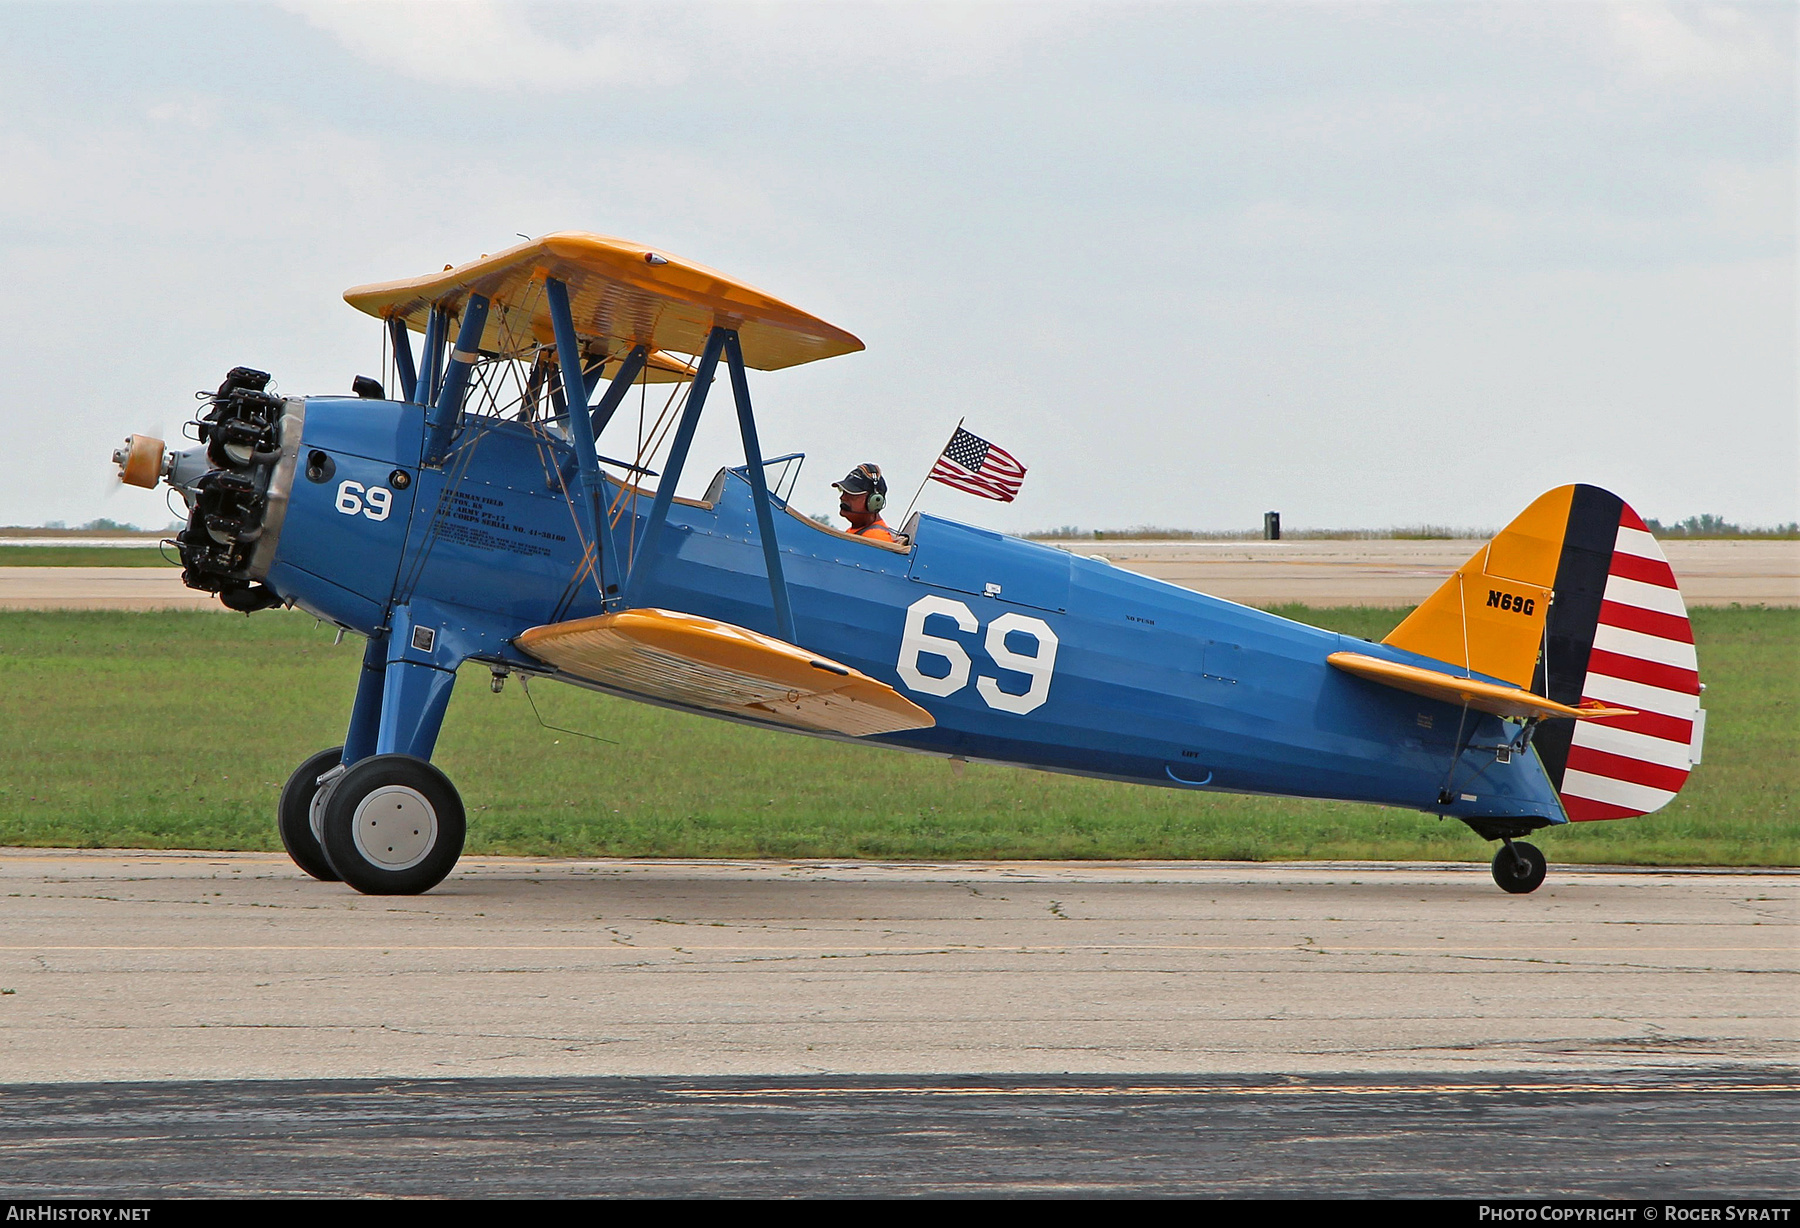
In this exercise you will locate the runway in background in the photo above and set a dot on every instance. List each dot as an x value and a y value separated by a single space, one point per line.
1376 572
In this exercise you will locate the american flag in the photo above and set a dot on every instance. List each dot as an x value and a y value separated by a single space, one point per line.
971 463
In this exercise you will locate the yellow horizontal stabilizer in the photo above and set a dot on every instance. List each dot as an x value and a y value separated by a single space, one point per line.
1491 697
621 294
701 663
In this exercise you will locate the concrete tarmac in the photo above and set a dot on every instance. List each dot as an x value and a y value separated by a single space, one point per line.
1648 1134
181 966
1373 572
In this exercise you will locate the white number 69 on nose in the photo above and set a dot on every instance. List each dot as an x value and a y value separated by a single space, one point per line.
375 502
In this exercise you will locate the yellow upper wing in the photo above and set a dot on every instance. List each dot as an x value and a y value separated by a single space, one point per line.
703 663
621 294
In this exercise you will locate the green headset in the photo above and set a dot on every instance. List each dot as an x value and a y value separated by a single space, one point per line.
877 486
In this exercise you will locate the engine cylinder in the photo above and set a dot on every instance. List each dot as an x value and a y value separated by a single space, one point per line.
251 439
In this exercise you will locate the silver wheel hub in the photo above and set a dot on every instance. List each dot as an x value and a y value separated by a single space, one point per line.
394 827
315 810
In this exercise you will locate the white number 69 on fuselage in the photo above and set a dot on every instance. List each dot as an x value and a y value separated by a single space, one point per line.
916 642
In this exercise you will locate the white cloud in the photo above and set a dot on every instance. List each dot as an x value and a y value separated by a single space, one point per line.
188 110
1251 252
487 45
1755 204
1664 42
564 48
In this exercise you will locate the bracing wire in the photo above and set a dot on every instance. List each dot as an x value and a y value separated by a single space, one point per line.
1549 604
671 413
464 456
665 422
547 458
593 737
1462 603
636 478
590 551
1456 753
646 449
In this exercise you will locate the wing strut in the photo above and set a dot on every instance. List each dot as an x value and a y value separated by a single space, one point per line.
447 411
433 355
725 341
671 474
403 356
581 427
759 490
621 384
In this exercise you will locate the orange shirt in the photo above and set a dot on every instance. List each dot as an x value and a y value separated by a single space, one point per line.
876 530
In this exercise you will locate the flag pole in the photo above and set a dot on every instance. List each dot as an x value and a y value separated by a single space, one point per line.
921 490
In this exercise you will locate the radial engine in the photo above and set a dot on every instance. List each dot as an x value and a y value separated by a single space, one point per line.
235 483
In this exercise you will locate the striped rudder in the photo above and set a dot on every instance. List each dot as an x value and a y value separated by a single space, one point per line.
1618 634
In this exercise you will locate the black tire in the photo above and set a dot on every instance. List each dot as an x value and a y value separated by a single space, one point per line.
424 832
293 815
1519 868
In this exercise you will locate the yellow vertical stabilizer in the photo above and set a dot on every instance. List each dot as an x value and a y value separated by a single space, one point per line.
1488 618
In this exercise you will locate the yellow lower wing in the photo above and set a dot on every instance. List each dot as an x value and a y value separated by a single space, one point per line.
707 664
1482 696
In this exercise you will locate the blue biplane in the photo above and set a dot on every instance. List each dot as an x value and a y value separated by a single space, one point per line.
474 518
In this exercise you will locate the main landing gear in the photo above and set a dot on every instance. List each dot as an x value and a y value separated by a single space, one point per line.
374 813
386 825
1519 867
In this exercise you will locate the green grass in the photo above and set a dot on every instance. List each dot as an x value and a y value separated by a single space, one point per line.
176 730
85 556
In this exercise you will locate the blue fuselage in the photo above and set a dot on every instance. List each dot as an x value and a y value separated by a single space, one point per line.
1023 654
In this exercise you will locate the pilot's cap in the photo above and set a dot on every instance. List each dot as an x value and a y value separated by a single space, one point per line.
862 480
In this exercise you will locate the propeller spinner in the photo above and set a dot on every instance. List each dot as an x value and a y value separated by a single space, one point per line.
140 461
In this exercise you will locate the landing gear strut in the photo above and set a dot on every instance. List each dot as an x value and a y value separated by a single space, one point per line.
1519 867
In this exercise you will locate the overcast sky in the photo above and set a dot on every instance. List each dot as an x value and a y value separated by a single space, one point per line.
1367 264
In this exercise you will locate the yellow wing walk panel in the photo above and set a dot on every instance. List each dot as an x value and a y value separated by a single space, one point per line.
622 294
702 663
1489 616
1506 701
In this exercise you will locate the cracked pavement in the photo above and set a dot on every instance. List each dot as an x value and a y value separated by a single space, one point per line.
132 965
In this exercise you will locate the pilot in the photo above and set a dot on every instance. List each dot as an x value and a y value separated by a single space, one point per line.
861 496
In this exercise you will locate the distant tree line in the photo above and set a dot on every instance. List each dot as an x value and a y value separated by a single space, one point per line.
1693 526
1151 532
99 525
1717 526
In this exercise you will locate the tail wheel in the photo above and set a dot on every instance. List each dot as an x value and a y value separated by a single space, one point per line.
295 815
1519 867
393 825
